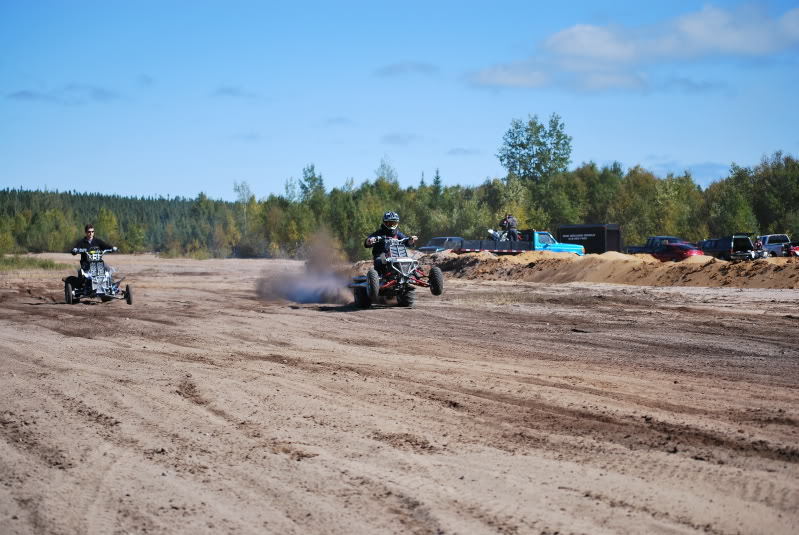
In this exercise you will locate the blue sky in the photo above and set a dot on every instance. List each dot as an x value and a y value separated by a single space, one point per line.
176 97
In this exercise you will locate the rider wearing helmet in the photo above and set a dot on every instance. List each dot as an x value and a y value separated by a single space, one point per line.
389 229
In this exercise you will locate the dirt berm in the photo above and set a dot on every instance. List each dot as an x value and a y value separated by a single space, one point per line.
618 268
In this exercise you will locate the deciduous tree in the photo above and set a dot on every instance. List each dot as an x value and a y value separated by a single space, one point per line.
535 152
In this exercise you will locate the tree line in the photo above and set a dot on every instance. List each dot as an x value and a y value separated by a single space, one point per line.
538 189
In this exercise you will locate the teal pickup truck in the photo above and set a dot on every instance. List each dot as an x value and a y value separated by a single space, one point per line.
532 240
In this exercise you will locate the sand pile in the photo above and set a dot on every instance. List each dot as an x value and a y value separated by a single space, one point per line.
618 268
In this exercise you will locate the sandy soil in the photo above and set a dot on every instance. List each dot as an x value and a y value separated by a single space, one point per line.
617 268
503 406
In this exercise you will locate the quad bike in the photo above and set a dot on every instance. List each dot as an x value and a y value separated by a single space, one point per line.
498 235
401 275
97 281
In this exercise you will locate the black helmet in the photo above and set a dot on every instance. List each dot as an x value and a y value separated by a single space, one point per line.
391 221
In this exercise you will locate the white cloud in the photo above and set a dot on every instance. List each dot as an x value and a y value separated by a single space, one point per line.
790 24
716 31
512 75
711 31
590 57
592 42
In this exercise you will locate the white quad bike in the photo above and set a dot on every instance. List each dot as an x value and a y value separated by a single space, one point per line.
96 282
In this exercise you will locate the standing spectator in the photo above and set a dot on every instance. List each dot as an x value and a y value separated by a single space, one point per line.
509 225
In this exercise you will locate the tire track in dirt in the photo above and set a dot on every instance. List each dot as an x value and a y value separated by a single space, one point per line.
254 410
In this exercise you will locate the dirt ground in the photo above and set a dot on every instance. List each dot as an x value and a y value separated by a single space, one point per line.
526 399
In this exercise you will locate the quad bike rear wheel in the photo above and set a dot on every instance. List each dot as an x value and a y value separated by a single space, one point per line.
373 285
362 298
436 280
128 294
68 293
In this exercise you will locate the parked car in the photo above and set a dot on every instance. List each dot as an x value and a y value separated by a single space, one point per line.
733 247
652 243
436 245
774 244
675 252
791 249
702 244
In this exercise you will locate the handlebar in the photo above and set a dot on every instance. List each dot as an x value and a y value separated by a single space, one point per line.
103 251
378 239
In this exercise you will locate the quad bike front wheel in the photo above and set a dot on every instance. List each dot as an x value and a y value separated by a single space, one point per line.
128 294
69 294
407 299
372 285
362 298
436 280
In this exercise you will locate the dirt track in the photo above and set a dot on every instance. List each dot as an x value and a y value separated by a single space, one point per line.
497 408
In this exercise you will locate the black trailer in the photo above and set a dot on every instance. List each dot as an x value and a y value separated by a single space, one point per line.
596 239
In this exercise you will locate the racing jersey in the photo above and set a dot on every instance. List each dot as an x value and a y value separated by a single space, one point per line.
381 246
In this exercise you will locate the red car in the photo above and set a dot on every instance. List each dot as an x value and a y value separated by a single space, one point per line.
674 252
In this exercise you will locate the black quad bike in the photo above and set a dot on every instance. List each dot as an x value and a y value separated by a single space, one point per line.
96 282
401 275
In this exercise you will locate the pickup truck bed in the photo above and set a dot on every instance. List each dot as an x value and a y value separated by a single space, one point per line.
493 246
537 240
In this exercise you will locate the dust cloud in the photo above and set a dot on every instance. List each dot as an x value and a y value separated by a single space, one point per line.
323 280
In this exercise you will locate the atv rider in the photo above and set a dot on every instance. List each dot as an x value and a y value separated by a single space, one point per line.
387 230
509 225
89 242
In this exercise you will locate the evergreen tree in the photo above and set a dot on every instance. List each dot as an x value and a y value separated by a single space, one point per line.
438 186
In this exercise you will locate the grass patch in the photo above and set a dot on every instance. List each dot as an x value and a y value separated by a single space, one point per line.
14 262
